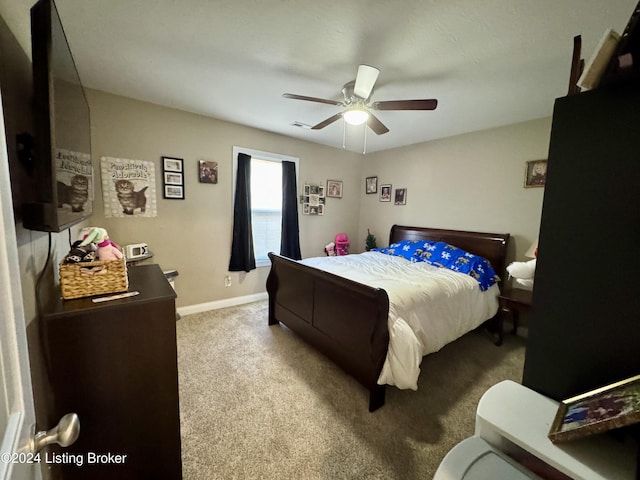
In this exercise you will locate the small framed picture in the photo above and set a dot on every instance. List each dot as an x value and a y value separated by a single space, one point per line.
171 164
334 188
172 178
207 171
401 196
385 193
174 192
314 200
612 406
371 185
535 174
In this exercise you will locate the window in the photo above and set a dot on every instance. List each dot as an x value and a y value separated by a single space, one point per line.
266 200
266 207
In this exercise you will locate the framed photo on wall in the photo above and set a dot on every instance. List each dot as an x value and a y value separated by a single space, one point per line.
535 174
313 199
174 192
385 193
401 196
334 188
207 171
173 178
170 164
371 185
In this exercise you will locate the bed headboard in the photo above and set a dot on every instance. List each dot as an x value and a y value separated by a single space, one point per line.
492 246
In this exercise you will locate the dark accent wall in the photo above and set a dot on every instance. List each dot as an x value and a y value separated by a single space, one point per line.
585 321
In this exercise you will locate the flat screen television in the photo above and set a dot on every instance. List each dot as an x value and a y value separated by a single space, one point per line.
63 173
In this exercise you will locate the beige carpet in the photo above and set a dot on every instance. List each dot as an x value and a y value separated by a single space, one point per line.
256 402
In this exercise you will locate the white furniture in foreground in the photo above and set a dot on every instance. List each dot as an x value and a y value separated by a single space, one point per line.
512 422
475 459
515 419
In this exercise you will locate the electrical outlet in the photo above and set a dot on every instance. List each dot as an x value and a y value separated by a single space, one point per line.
227 281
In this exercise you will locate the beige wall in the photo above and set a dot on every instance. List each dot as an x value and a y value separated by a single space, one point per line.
467 182
193 235
470 182
32 252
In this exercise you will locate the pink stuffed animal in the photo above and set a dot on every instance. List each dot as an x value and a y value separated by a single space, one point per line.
107 250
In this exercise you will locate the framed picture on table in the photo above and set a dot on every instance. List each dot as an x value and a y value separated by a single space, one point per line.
606 408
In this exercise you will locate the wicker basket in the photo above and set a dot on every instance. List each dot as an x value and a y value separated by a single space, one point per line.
85 279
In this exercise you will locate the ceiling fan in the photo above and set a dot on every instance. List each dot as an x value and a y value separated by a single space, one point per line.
356 109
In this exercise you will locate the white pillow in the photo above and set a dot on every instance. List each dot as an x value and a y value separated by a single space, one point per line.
523 272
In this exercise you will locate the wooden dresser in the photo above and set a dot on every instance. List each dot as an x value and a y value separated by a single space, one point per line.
115 365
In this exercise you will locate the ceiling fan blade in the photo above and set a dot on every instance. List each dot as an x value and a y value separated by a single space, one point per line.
311 99
365 80
328 121
405 105
376 125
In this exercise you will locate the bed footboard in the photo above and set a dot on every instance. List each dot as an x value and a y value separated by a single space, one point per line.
345 320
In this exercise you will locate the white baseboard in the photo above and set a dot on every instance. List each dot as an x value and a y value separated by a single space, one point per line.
227 302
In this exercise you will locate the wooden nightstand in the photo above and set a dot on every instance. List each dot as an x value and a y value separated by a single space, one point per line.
512 302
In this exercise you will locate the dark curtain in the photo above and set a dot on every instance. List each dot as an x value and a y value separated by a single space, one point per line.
290 236
242 256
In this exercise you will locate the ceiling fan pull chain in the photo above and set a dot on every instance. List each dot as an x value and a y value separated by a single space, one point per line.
364 147
344 134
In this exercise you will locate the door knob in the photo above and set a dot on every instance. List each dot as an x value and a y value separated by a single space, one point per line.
64 434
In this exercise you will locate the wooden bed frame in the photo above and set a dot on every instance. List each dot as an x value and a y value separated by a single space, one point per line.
347 320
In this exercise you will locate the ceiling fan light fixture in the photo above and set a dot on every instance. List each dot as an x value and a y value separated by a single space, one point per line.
356 116
357 109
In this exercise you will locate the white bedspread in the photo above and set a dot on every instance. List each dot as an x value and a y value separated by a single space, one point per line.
428 307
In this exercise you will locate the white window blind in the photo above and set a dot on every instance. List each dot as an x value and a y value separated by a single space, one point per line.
266 199
266 207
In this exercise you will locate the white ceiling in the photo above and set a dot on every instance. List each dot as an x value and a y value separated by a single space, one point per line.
489 63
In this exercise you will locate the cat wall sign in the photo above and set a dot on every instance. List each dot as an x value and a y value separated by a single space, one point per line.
128 187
